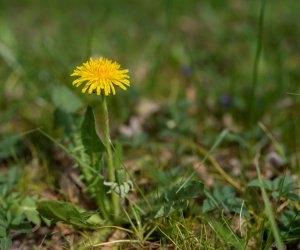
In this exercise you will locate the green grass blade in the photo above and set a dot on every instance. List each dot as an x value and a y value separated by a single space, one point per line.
269 212
257 60
215 145
226 234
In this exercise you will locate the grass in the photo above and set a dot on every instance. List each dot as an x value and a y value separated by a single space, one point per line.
210 90
269 212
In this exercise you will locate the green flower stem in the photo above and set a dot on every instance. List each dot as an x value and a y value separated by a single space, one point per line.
259 42
111 169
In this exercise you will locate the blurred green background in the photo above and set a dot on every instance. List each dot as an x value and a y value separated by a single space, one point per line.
199 52
191 65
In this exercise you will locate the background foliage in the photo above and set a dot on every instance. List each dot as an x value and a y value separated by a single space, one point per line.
191 67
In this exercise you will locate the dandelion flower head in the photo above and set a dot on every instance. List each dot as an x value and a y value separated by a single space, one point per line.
101 75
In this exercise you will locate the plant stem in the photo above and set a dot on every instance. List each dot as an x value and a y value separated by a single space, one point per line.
256 60
111 169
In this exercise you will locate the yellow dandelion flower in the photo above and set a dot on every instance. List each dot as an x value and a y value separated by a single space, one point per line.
101 74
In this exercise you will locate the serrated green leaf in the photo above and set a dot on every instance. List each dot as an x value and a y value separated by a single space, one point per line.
33 217
293 197
28 207
224 193
208 205
65 99
286 184
19 218
57 210
191 190
168 209
163 211
177 198
68 213
90 139
225 198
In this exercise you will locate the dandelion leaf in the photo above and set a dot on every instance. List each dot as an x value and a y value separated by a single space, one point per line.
91 141
177 198
58 211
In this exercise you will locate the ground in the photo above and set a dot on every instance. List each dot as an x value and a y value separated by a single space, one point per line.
208 132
